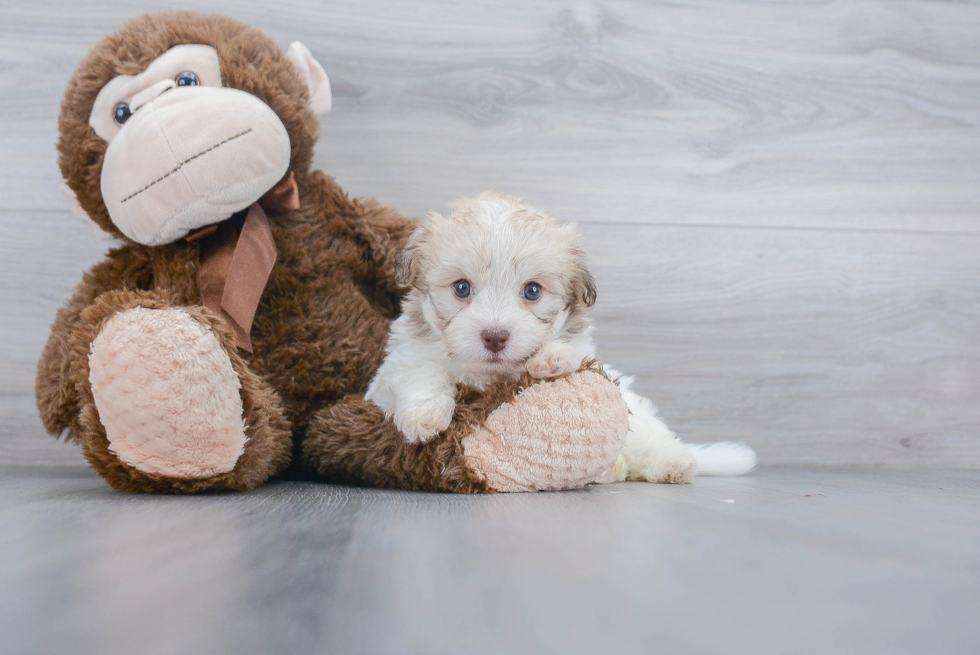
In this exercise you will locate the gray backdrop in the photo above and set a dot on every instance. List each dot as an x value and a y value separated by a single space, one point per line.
780 198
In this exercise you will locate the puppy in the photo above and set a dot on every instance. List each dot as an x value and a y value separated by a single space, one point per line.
497 288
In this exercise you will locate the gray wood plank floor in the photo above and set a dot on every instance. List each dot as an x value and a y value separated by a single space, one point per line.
788 561
781 198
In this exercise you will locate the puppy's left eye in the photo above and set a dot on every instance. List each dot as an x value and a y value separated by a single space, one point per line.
462 289
532 291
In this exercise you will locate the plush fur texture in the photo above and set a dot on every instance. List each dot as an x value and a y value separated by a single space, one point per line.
249 62
167 394
510 454
266 429
318 333
512 448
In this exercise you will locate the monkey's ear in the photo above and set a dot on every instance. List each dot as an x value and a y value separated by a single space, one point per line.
313 74
77 210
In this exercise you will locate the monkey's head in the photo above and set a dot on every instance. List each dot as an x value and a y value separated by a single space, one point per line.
179 120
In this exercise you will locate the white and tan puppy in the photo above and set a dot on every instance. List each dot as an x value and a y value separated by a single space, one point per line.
497 288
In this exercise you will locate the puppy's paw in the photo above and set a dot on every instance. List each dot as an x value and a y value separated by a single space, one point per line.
552 360
616 473
425 419
678 471
675 466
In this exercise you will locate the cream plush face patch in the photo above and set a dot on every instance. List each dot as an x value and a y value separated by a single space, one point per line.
183 151
198 60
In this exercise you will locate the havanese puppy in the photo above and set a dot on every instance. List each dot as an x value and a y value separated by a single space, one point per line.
499 288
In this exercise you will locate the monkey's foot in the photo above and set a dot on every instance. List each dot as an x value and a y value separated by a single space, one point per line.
557 435
167 394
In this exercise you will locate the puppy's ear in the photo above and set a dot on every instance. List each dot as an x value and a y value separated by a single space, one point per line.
583 284
410 265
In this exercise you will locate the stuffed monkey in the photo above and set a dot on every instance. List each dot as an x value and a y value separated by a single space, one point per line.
230 336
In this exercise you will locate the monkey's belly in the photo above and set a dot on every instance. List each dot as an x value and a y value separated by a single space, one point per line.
318 348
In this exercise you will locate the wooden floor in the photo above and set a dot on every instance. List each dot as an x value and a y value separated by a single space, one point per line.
788 561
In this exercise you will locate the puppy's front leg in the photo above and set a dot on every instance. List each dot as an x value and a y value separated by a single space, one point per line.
553 359
425 408
412 385
419 398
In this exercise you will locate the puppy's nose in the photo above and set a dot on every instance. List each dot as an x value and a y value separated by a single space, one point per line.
495 340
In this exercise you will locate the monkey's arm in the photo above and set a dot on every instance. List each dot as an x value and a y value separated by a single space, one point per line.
372 237
381 234
512 436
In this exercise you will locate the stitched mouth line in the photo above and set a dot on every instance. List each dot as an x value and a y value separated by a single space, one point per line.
181 164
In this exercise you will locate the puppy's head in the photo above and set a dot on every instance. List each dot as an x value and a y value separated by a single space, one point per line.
495 280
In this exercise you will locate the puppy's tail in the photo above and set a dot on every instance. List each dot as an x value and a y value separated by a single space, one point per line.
725 458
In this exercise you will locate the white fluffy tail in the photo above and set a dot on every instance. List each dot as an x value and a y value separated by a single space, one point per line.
725 458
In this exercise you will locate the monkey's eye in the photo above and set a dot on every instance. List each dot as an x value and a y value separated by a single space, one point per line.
121 113
532 291
462 289
187 78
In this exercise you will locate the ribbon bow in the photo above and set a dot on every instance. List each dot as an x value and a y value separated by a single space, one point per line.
237 256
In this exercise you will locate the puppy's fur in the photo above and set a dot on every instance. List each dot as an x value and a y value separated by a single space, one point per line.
499 287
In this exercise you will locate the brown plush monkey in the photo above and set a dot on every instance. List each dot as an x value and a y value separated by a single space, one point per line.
233 332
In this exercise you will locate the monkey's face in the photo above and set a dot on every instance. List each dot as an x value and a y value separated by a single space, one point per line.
182 150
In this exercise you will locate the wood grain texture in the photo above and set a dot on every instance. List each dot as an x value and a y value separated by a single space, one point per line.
820 347
23 442
781 198
827 114
788 561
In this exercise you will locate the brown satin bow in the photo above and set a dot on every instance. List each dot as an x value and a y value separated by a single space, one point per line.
237 256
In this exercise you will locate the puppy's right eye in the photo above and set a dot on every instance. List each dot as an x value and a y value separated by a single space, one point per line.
532 291
462 289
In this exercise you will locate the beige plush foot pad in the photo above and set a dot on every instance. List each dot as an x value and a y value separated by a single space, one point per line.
167 394
555 435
